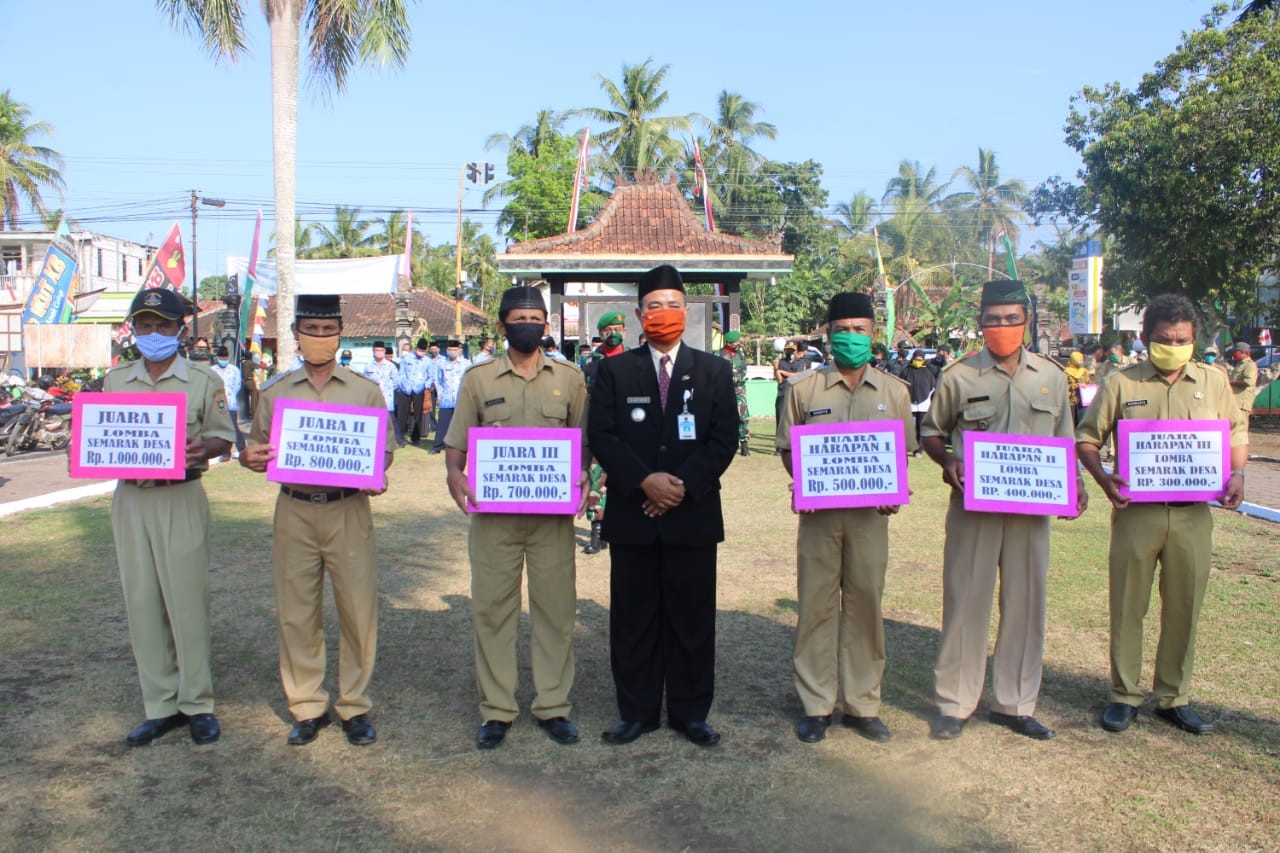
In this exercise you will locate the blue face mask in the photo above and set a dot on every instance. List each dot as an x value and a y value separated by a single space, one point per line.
222 362
1210 359
157 347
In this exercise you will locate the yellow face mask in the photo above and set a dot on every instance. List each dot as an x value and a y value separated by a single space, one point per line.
1169 358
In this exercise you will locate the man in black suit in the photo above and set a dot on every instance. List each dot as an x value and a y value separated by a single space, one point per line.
663 423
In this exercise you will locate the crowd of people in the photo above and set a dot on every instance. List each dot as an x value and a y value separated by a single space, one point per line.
660 425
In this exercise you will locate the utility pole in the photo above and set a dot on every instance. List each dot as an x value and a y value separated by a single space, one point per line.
195 276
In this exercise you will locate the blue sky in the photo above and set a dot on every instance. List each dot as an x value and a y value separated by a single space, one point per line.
142 116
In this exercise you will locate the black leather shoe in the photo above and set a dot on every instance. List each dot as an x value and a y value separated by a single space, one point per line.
1185 718
152 729
698 732
625 731
359 730
1023 725
948 728
205 728
492 733
869 727
305 731
560 730
812 729
1118 716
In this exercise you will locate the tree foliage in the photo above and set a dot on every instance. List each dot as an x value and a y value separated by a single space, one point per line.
1183 171
26 169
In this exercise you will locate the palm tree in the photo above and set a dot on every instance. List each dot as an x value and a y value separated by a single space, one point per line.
988 206
726 154
530 139
302 235
856 216
390 236
25 168
349 238
1259 7
340 34
915 230
637 141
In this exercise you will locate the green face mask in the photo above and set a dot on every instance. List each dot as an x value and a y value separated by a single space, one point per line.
851 349
613 339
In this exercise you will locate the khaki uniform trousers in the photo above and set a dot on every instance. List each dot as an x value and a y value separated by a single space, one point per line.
500 545
979 546
841 558
1181 538
162 546
310 539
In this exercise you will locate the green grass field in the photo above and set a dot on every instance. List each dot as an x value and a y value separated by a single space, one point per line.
68 696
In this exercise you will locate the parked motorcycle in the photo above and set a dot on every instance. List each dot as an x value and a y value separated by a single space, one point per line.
45 423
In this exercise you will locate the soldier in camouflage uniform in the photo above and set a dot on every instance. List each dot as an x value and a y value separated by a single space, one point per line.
612 326
738 359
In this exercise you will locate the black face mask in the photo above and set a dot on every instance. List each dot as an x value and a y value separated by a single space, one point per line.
524 337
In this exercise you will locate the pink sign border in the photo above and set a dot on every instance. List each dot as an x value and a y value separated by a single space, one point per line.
293 476
1125 428
177 399
973 503
572 434
899 498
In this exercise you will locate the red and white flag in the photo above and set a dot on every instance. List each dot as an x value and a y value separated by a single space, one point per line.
702 188
579 180
1264 338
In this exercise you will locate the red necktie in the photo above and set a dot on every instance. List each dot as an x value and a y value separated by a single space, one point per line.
664 380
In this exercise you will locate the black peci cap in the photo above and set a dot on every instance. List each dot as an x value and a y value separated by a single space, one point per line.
846 306
665 277
317 306
521 297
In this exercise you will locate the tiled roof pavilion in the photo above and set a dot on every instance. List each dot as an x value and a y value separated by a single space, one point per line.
645 224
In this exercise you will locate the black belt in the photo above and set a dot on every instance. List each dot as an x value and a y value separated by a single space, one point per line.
319 497
192 474
1181 503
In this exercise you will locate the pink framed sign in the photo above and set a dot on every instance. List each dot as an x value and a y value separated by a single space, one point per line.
1021 474
1087 393
328 444
849 465
1185 460
129 435
531 470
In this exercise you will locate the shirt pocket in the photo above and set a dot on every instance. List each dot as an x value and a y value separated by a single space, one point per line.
555 410
1044 416
495 414
977 416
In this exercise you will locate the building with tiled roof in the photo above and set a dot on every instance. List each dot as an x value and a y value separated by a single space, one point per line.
645 224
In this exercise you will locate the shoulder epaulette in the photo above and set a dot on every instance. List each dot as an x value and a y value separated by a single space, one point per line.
274 379
1051 360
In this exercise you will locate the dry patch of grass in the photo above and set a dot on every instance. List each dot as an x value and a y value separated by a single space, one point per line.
68 694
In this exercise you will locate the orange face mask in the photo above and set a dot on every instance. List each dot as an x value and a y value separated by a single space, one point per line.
664 325
1003 340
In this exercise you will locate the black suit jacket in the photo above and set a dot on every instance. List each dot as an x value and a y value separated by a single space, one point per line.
630 450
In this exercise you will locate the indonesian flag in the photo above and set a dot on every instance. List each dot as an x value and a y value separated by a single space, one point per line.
1264 338
579 180
701 188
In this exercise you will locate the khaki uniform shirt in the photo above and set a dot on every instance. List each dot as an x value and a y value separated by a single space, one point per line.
343 387
1247 372
824 396
493 394
976 394
207 415
1140 391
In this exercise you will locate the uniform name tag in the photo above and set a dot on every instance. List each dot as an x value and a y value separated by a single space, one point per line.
1135 403
495 401
819 412
984 398
632 401
685 424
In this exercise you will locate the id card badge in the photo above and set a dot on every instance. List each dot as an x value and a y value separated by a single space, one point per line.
685 424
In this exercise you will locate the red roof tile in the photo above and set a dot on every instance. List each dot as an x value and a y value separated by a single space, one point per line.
373 315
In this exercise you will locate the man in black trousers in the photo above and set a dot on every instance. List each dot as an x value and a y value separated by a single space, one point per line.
663 423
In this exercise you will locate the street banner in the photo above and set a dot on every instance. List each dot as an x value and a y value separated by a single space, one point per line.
48 300
579 179
531 470
1021 474
168 265
328 444
1183 460
250 277
129 435
848 465
1084 307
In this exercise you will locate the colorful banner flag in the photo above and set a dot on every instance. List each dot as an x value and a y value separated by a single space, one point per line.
406 268
579 180
703 189
250 276
48 302
168 264
882 280
1003 236
259 328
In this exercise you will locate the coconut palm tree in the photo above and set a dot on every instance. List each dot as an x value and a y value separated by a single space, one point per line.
25 168
637 141
727 156
302 236
349 238
340 34
988 205
530 139
389 236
